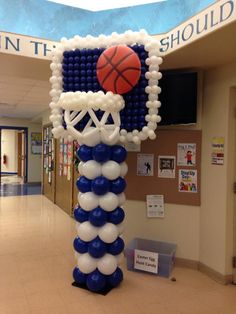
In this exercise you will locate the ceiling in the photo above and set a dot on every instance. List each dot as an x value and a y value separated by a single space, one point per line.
24 82
94 5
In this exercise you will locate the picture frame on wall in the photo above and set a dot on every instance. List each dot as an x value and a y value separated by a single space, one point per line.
36 143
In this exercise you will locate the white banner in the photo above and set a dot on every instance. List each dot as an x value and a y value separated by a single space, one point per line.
26 46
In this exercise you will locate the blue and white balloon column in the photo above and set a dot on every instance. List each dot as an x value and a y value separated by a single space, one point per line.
101 120
99 244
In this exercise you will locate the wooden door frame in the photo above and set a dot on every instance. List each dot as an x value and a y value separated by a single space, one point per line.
25 129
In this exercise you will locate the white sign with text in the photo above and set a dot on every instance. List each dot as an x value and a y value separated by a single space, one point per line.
146 261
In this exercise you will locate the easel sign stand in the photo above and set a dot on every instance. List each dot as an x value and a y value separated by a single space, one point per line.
104 93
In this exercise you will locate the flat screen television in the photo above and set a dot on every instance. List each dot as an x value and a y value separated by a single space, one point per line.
178 98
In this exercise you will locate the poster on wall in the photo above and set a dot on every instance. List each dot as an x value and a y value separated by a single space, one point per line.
217 151
145 164
65 157
188 180
166 166
186 154
69 159
155 206
36 143
61 148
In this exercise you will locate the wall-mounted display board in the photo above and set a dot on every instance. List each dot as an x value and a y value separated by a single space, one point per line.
48 163
177 151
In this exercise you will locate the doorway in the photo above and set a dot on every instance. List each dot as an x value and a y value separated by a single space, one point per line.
14 155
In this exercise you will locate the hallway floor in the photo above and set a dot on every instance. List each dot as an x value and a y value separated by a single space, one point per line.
36 261
14 185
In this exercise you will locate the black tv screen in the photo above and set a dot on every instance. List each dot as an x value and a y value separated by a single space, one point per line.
178 98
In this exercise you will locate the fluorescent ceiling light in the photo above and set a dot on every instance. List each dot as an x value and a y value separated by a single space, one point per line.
100 5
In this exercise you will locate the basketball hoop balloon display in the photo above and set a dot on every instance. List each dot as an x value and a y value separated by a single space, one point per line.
104 94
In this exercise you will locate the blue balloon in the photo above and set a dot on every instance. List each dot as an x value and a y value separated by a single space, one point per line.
96 281
118 185
79 277
101 152
80 246
83 184
116 247
118 153
100 185
98 217
115 279
84 153
97 248
80 214
116 216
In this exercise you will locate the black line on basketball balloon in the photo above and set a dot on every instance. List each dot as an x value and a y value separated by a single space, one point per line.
113 66
121 75
103 66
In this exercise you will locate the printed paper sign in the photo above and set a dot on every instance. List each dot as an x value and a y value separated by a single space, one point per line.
155 206
145 164
146 261
166 166
186 154
217 154
188 181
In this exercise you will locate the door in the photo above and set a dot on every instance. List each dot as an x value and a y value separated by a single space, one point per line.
19 155
64 179
0 156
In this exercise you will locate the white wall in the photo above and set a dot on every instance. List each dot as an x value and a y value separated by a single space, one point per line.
9 148
216 220
34 161
180 226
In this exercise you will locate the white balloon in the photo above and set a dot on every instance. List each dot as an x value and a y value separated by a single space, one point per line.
107 264
122 139
108 232
86 263
91 136
111 170
80 168
121 228
151 134
136 140
91 169
123 169
121 198
87 232
88 201
109 201
77 255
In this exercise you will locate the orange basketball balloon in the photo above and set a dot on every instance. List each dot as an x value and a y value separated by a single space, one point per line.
118 69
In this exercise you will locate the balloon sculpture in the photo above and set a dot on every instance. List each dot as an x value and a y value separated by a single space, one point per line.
104 93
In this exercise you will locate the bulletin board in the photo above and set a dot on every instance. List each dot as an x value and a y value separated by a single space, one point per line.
167 143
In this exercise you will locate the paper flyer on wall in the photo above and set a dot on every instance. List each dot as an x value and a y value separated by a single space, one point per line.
155 206
187 181
145 164
166 166
186 154
217 153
